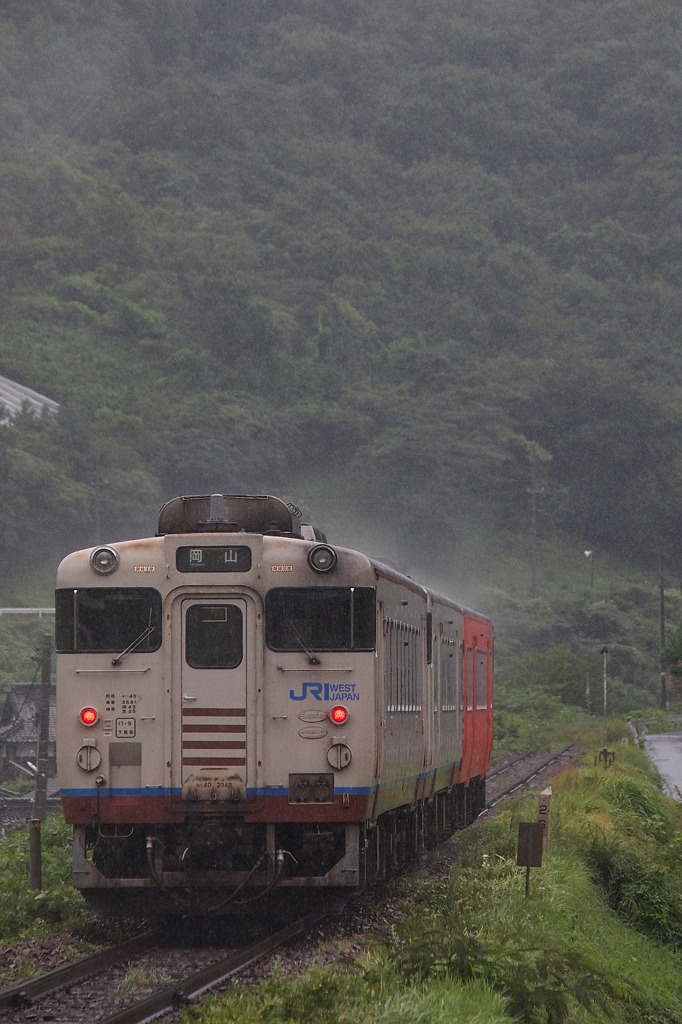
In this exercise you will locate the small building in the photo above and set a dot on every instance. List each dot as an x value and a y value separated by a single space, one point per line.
19 729
15 397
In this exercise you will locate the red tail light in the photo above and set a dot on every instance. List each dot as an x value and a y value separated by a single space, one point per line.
338 715
89 716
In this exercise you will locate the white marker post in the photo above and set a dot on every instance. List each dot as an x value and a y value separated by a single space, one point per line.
544 808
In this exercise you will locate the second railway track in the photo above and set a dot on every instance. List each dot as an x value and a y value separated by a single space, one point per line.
521 772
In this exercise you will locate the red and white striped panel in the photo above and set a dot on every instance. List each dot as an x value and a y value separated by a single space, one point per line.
214 737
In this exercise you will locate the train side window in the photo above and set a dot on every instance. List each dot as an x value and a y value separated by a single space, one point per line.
107 620
214 636
403 660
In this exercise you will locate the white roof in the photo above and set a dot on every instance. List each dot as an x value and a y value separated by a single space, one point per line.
14 396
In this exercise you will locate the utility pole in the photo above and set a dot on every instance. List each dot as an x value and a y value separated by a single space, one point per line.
534 491
661 606
604 652
42 765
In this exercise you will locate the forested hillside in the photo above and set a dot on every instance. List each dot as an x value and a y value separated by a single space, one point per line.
430 248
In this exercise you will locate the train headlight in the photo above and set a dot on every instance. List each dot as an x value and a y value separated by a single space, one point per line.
338 715
322 558
104 561
89 716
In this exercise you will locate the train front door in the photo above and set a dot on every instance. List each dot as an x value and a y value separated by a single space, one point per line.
212 741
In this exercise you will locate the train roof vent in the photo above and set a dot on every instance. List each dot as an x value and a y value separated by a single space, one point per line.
228 513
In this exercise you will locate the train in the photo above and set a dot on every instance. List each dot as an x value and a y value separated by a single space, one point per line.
244 708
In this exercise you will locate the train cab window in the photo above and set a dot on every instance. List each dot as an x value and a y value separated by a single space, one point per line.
214 636
111 620
320 619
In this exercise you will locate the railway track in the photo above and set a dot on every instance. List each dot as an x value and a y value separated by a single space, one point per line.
522 771
91 989
24 993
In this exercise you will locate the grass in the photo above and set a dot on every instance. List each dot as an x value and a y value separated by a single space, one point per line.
56 913
137 980
587 944
599 938
27 913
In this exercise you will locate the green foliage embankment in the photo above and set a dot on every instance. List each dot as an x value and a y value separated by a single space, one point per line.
434 247
598 939
407 260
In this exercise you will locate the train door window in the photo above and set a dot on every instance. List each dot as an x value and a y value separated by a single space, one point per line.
460 675
214 636
394 654
399 659
393 668
437 662
470 679
481 680
389 687
407 687
449 660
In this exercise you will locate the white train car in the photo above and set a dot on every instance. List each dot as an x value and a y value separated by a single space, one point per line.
242 706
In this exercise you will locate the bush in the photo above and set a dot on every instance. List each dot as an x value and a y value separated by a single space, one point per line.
646 896
23 909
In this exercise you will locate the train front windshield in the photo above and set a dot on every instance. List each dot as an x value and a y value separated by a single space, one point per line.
320 619
107 620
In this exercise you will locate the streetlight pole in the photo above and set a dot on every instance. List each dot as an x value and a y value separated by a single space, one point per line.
589 555
661 608
534 492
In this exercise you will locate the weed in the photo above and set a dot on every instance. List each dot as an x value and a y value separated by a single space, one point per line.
139 979
57 903
646 896
537 985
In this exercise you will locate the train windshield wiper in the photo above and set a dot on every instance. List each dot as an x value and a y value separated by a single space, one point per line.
297 636
131 647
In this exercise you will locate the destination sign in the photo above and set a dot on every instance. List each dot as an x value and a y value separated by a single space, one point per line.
213 559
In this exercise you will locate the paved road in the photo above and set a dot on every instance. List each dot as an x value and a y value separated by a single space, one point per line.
665 750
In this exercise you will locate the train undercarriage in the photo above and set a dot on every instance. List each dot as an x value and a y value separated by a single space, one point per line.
220 864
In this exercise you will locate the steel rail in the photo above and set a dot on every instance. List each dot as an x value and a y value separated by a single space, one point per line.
24 992
179 994
495 771
525 780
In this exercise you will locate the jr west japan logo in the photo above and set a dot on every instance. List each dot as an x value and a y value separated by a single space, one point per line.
326 691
